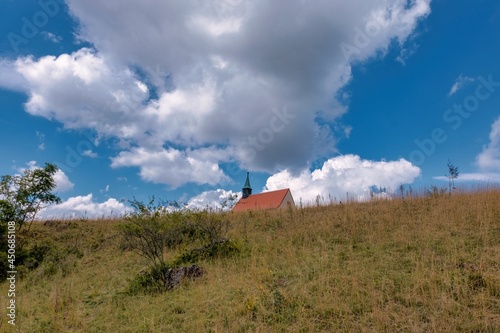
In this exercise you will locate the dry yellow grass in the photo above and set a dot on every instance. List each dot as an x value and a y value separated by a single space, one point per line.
424 265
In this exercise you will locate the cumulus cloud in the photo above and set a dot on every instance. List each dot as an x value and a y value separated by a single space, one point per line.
489 158
171 166
343 176
63 184
85 207
10 78
219 200
81 90
169 79
488 161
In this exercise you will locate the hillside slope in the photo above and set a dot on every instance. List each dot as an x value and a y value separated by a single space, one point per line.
423 265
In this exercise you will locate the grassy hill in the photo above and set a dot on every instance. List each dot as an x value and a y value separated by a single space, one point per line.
430 264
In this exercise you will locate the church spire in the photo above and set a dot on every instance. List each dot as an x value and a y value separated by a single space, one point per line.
247 190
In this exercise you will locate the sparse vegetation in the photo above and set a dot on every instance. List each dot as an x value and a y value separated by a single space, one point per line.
151 231
425 264
21 198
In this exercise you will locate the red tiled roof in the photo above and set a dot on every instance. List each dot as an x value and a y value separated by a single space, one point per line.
266 200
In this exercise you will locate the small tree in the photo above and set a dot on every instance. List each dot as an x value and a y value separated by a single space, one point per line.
452 175
153 231
211 227
150 231
22 196
147 236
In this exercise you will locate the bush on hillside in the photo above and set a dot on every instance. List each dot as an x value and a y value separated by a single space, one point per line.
152 230
222 248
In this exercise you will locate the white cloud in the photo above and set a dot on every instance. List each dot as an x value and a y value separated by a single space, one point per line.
51 37
81 90
460 82
41 140
10 78
217 199
85 207
487 177
171 166
106 189
344 176
489 158
89 153
63 183
211 74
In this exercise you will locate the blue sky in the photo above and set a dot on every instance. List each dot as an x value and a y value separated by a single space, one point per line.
180 99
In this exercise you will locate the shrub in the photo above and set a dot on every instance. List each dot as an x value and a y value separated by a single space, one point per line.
150 237
159 279
211 227
149 281
222 248
152 230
